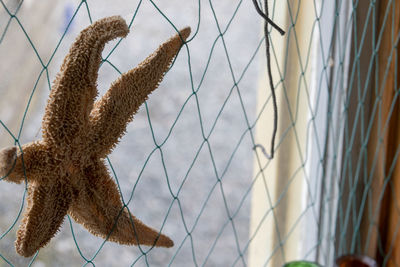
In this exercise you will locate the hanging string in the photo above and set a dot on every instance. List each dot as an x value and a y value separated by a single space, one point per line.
271 83
265 16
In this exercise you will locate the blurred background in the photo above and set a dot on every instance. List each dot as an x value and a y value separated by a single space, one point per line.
330 190
179 119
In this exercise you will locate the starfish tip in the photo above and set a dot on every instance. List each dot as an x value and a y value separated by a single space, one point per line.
7 157
116 24
165 241
23 249
185 32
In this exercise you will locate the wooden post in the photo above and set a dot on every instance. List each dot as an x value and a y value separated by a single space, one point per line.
388 141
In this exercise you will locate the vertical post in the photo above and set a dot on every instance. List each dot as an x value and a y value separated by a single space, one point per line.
285 205
387 134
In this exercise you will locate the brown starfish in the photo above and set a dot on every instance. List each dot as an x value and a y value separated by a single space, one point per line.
65 170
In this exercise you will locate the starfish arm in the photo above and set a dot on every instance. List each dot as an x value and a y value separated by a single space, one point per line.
74 89
99 209
14 165
47 207
116 108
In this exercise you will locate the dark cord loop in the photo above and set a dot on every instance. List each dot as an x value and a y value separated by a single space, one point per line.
265 16
271 83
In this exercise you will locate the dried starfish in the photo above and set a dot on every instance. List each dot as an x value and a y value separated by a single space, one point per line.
65 170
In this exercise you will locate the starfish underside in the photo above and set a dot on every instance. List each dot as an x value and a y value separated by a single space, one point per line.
65 170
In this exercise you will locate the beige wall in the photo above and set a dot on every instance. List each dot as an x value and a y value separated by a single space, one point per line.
281 190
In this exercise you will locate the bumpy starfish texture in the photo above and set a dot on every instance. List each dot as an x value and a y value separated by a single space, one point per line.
65 170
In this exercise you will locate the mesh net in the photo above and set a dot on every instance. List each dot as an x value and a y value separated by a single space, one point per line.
192 162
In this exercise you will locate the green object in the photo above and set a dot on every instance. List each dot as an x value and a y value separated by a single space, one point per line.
301 264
